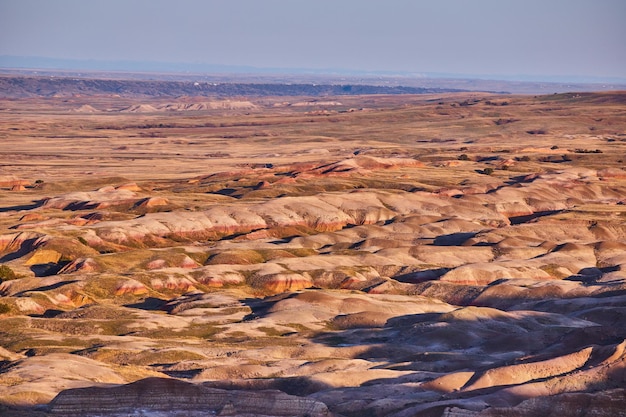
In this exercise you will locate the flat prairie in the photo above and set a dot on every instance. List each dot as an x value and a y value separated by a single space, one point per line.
453 254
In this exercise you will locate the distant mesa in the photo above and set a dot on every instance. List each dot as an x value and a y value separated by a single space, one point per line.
209 105
41 86
139 108
85 108
320 103
195 106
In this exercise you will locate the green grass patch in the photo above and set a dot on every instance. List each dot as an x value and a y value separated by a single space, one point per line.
5 308
17 344
298 327
7 274
168 356
554 270
84 327
235 257
195 330
272 331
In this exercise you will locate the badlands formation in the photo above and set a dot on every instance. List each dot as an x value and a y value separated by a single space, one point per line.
429 255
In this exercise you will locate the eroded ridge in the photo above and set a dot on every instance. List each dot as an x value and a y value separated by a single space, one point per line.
400 278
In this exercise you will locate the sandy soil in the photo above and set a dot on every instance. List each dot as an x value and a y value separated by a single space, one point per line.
432 255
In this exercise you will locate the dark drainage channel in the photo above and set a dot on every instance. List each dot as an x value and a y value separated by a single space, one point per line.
526 218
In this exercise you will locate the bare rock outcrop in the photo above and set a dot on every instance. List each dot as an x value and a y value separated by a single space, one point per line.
344 262
140 108
322 213
131 286
604 404
160 395
21 243
44 376
102 198
208 105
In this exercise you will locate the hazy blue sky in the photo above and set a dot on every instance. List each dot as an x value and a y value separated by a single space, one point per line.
531 37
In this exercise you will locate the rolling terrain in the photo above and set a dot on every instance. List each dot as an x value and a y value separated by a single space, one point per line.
441 254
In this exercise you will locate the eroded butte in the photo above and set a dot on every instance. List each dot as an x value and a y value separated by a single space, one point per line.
432 255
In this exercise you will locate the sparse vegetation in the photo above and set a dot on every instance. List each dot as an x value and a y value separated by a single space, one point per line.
501 122
272 331
6 273
312 244
554 270
556 159
5 308
579 150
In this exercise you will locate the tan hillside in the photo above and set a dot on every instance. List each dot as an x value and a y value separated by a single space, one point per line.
445 254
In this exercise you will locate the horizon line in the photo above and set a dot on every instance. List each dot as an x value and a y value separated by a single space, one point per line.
15 62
